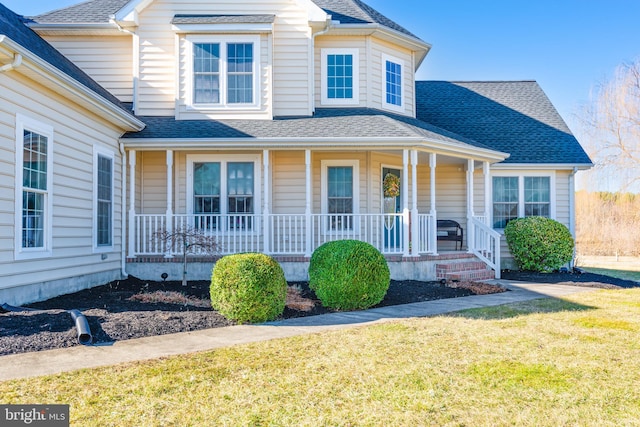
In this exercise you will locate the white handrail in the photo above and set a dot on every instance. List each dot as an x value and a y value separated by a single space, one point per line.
486 244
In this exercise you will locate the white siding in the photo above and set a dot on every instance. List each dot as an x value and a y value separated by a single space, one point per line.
288 182
75 133
332 42
378 75
160 86
107 59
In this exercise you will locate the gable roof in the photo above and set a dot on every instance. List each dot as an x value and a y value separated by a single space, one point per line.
345 124
13 27
358 12
99 11
514 117
87 12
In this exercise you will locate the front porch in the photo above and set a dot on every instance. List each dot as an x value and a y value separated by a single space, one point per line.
410 247
408 237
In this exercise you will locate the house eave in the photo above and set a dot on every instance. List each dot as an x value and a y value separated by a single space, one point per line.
543 166
385 33
74 29
340 144
71 87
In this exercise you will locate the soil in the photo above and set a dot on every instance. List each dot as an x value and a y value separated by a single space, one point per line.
135 308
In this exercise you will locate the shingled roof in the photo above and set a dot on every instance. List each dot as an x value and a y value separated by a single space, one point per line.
88 12
514 117
13 26
326 123
99 11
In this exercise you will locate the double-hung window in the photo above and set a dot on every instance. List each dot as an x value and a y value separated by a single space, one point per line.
223 187
392 83
340 76
224 72
34 142
103 199
340 193
521 196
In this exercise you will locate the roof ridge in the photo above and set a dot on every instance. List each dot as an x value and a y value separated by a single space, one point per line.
478 81
60 9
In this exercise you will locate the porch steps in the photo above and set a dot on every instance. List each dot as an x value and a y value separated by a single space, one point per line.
462 271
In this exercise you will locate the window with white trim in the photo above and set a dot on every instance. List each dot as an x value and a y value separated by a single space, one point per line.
392 83
34 146
223 71
521 196
223 186
340 78
340 193
103 178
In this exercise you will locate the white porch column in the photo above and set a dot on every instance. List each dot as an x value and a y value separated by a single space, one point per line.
415 224
433 227
470 197
266 208
405 201
169 213
486 170
132 203
309 200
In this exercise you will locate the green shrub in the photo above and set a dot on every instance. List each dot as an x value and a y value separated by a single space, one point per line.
248 288
539 244
348 275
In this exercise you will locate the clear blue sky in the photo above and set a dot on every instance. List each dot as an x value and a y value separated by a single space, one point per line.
568 46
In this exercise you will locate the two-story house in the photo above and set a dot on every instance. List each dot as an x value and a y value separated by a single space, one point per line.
272 126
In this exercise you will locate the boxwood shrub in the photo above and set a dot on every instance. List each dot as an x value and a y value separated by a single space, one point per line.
539 244
248 288
348 275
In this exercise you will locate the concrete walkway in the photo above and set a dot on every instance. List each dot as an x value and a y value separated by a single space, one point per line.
69 359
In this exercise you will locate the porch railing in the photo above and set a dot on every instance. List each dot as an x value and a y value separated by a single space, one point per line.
300 234
281 234
485 244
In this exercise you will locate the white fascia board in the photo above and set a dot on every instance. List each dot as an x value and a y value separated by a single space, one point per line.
542 166
73 88
130 11
223 28
405 40
343 144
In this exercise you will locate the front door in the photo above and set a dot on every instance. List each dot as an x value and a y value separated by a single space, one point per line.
391 225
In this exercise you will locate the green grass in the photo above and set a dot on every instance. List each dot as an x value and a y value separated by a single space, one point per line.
620 274
547 362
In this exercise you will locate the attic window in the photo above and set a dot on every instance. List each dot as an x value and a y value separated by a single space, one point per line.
340 77
224 72
392 83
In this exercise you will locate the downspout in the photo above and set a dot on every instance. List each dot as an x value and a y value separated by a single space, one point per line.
123 213
17 61
327 27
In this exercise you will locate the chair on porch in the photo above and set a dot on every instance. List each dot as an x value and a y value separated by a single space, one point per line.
449 230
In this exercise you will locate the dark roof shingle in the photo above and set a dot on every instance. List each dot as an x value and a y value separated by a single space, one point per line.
99 11
513 117
13 26
326 123
222 19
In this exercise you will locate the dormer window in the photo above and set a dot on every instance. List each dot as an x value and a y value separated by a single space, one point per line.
224 72
340 77
392 83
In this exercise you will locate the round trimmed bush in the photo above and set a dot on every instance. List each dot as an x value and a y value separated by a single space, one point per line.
348 275
539 244
248 288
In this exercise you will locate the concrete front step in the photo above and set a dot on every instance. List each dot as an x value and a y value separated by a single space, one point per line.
467 270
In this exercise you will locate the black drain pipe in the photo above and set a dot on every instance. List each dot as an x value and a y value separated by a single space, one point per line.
80 320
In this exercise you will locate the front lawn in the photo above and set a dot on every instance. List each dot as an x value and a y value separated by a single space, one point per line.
539 363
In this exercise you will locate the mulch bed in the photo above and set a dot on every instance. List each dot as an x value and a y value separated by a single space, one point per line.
124 309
